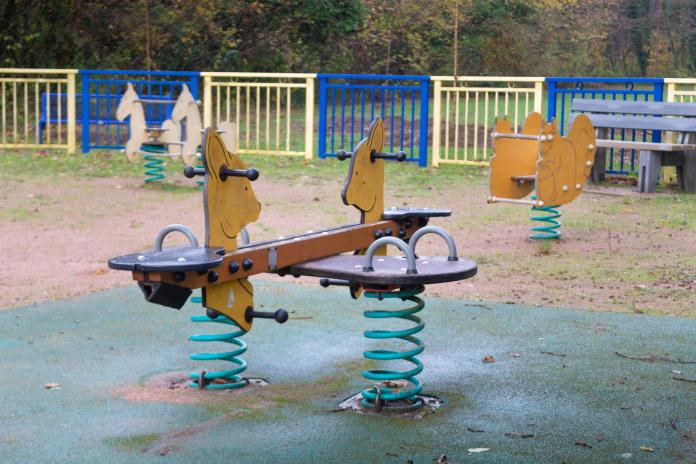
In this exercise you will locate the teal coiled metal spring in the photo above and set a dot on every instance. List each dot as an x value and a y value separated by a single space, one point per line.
223 379
154 164
550 223
381 394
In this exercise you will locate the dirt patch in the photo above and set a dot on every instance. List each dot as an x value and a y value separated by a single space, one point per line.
172 387
628 253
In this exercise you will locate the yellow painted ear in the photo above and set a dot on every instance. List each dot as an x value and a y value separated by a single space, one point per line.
514 157
364 187
231 298
229 205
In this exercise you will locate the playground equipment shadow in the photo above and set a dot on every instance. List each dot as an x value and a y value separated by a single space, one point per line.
557 391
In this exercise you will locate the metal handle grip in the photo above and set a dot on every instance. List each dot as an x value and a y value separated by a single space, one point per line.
452 256
159 240
251 174
398 156
403 246
191 172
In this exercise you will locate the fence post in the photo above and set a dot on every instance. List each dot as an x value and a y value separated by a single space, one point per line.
207 102
538 95
551 103
671 87
309 117
321 151
424 123
85 112
436 122
193 85
72 110
658 96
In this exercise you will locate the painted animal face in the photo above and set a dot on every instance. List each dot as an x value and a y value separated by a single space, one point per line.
125 105
364 187
230 205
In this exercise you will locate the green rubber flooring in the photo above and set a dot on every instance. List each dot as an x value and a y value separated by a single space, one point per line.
558 392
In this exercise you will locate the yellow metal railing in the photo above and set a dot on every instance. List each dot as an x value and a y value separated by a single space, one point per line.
273 112
37 108
682 90
464 111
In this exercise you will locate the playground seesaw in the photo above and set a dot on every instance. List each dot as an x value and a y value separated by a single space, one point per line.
352 255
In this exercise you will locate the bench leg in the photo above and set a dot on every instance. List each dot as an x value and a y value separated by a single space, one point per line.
686 173
648 170
598 172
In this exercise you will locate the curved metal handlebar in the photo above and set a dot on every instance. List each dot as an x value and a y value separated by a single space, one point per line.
452 256
166 230
403 246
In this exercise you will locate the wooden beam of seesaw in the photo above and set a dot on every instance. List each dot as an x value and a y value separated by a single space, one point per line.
276 255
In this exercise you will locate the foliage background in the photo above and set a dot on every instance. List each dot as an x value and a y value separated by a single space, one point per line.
493 37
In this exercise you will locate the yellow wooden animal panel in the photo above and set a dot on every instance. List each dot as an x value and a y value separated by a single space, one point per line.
230 204
364 187
564 162
514 157
232 299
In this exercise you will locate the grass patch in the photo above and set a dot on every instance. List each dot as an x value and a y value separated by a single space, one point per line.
132 442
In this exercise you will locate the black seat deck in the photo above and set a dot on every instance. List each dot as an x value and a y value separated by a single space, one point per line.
170 260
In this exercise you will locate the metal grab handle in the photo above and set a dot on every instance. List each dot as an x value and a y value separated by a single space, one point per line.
403 246
166 230
437 231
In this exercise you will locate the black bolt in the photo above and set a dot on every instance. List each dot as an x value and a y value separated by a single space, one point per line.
212 277
179 276
402 233
234 267
247 264
211 313
423 222
408 223
379 234
389 232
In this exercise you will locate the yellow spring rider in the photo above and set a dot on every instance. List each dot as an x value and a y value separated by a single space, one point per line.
540 161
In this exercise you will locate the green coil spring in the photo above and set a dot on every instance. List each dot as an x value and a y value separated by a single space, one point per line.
224 379
380 396
550 223
154 164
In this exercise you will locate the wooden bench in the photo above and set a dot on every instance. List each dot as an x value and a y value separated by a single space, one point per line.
647 118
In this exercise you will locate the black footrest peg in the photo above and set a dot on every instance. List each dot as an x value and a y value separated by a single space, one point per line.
324 282
280 316
191 172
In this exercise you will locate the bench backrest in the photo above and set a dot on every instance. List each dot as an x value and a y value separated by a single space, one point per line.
637 115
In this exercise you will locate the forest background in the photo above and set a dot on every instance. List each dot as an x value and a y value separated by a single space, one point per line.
436 37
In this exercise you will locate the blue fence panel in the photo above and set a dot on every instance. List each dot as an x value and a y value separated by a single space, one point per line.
101 93
562 91
349 102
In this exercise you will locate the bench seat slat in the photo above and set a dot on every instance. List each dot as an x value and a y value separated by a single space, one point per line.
653 146
640 122
634 107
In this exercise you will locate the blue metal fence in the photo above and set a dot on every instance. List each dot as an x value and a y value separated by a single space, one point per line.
562 91
349 102
102 90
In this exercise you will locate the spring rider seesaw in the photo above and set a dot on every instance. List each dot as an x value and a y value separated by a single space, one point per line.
157 143
221 267
540 160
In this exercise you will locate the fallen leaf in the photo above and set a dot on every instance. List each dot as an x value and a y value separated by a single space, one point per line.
471 429
52 386
488 359
647 448
478 450
442 459
583 444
